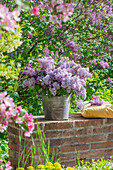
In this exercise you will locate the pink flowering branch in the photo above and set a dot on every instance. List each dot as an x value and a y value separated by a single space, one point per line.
9 112
8 20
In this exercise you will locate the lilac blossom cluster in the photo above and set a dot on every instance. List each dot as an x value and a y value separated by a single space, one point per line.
65 75
96 18
96 101
70 45
103 64
50 30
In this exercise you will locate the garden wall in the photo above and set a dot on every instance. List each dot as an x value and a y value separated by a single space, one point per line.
76 137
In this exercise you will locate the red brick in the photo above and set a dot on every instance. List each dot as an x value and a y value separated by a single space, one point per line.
53 134
14 162
109 152
102 145
55 142
68 133
63 141
105 129
110 137
90 139
12 153
84 131
109 121
90 154
58 125
13 130
66 156
70 148
88 122
54 149
68 163
82 147
11 137
75 148
13 146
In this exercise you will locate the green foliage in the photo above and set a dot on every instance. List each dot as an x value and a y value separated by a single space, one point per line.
4 147
94 165
10 40
94 45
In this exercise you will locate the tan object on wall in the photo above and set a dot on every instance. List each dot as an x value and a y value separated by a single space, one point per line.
103 111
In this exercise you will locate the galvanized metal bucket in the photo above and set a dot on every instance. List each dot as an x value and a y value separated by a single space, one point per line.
56 107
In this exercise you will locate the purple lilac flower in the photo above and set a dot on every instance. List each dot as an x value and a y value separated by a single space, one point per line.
46 51
29 82
31 71
95 61
96 101
65 75
50 30
79 104
110 80
70 45
46 64
103 64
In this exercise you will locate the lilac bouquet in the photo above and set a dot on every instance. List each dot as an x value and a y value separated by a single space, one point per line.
57 78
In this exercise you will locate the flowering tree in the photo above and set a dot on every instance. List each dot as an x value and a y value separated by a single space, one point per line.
81 31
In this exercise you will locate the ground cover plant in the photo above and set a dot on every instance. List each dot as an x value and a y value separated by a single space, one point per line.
81 30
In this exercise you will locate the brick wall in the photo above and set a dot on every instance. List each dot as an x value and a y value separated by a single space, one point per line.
75 137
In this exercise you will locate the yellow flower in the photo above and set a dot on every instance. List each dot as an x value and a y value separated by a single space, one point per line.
40 166
58 168
69 168
57 165
20 168
30 168
49 164
49 167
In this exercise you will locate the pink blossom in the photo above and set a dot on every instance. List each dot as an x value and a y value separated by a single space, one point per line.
2 108
8 114
59 15
59 25
19 108
52 5
2 95
1 161
3 11
1 168
53 18
19 120
0 36
70 11
9 24
54 2
65 18
35 11
60 8
27 134
15 13
7 166
9 111
5 123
